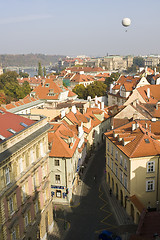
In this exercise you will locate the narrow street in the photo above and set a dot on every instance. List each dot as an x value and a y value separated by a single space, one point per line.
94 212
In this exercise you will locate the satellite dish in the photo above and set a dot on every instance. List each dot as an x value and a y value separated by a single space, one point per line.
126 22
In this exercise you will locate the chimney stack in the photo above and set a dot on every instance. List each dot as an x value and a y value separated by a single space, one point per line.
148 92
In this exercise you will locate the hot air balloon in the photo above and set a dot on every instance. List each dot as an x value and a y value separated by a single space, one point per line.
126 22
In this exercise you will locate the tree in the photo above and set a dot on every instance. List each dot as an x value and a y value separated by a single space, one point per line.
80 91
115 76
10 87
108 81
26 88
44 72
40 71
23 74
138 61
94 89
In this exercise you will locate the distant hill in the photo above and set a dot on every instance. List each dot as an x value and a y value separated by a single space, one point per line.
28 60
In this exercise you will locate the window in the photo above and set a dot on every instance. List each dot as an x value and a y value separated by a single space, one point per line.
112 150
149 185
32 155
24 191
112 165
23 124
108 160
34 182
121 160
42 149
56 162
116 170
151 166
11 131
125 181
7 175
27 218
108 146
57 178
20 165
58 193
11 207
13 234
36 206
125 164
121 176
116 156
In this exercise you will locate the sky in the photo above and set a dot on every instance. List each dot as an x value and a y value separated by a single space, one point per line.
80 27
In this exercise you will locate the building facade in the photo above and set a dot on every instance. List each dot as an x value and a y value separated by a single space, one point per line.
132 166
25 201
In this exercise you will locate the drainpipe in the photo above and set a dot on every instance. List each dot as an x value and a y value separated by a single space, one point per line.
66 172
157 197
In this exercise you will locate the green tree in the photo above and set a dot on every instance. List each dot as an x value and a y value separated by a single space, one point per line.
138 61
99 88
40 71
26 88
115 76
23 74
108 81
80 91
44 72
94 89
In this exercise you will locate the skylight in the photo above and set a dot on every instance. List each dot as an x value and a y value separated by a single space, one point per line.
2 138
23 124
1 111
11 130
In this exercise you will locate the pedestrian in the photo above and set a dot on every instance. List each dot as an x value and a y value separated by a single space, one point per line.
110 192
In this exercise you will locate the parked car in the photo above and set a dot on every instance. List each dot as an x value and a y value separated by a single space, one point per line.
107 235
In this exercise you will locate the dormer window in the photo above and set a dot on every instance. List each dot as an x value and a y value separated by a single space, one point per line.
2 138
47 85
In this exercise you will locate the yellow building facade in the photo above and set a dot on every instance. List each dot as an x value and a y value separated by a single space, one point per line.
132 167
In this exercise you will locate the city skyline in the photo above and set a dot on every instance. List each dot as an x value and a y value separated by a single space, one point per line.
91 28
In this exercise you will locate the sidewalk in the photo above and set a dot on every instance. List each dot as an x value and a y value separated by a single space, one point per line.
126 225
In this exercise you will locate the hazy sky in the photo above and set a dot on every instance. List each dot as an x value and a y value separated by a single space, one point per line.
72 27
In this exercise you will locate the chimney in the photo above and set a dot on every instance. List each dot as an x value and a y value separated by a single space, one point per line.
133 126
89 98
102 105
146 125
74 110
148 92
63 114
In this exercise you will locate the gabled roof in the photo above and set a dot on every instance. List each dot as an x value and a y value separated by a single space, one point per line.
154 93
142 140
50 90
81 78
60 139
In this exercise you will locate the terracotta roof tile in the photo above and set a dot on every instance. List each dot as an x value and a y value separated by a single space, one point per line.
143 143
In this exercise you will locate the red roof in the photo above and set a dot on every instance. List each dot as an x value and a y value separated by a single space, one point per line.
12 121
